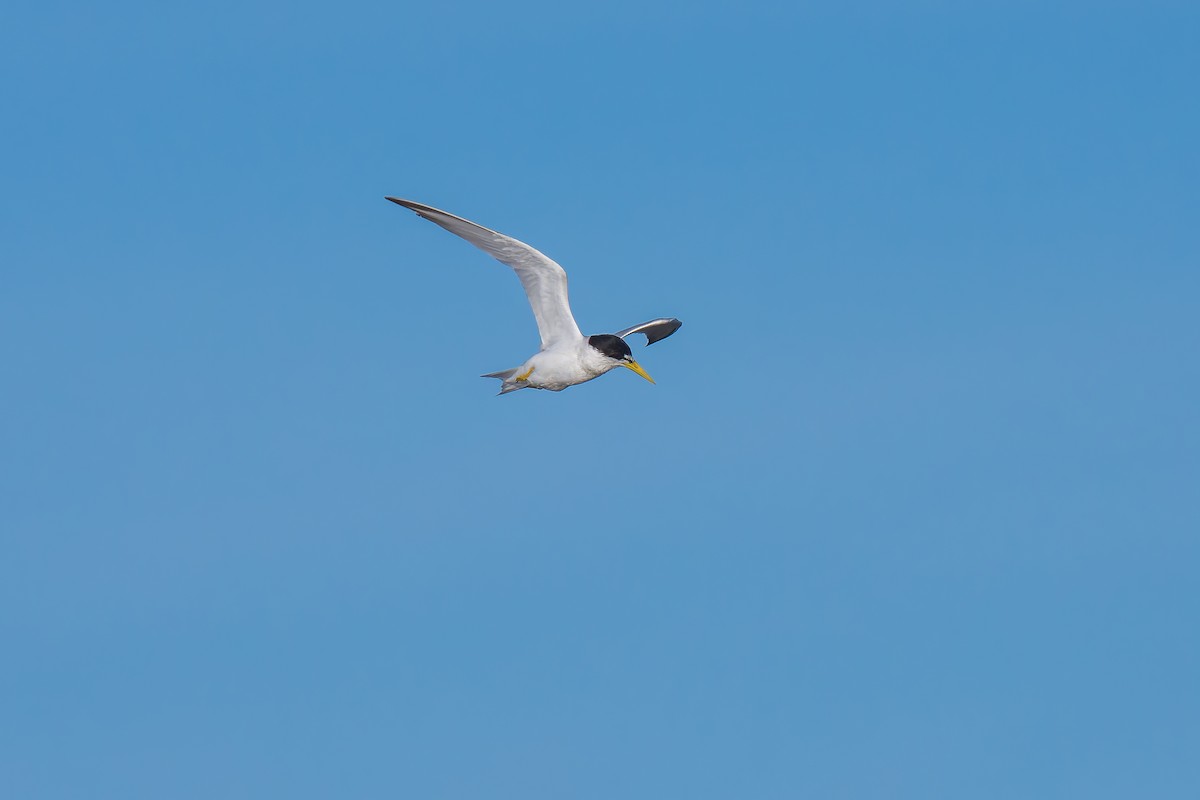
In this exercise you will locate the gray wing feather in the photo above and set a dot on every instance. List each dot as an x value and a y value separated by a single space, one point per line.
544 280
655 330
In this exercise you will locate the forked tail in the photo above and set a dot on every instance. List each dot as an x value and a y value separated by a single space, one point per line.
506 376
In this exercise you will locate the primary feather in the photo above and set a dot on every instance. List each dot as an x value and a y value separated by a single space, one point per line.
655 330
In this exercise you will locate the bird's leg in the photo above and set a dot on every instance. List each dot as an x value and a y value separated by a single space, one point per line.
524 376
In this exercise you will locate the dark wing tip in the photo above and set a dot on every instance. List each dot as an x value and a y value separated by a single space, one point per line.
420 209
660 332
655 330
412 205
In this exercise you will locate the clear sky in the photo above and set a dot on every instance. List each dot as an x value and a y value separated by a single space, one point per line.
912 512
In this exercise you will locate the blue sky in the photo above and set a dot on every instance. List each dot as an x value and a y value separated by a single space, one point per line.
911 512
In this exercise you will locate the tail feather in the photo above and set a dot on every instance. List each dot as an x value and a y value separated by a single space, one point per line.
504 376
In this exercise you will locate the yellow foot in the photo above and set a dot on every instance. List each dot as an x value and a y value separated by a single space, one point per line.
525 375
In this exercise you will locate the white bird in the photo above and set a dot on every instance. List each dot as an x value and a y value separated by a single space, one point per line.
567 357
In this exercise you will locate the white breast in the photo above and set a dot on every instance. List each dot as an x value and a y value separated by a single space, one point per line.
567 364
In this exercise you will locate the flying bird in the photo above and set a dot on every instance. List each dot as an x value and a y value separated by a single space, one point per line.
567 356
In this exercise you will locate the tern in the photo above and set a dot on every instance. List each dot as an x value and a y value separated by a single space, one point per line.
567 356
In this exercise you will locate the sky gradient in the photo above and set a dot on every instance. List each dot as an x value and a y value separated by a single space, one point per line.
911 512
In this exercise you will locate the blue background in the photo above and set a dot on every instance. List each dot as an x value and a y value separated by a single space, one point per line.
912 511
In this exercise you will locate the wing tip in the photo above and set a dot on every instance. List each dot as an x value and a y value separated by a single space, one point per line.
660 332
419 209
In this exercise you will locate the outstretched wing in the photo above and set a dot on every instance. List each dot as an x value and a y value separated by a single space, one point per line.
655 329
544 280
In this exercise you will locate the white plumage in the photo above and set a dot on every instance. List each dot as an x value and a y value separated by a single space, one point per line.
567 357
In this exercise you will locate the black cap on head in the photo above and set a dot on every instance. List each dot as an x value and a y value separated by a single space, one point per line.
611 346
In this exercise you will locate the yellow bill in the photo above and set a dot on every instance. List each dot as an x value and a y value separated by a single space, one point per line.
636 367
